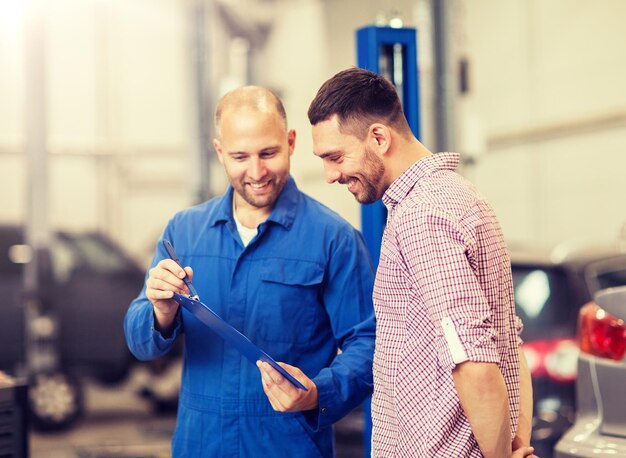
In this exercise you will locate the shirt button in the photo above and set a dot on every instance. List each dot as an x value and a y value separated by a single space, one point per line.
323 409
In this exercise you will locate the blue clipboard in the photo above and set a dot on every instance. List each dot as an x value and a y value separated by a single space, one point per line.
211 319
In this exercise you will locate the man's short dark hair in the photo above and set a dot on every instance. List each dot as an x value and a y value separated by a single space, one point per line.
359 98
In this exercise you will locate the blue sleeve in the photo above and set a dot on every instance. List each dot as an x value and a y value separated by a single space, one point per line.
144 341
347 382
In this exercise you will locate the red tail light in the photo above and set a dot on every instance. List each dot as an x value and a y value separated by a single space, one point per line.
555 359
600 333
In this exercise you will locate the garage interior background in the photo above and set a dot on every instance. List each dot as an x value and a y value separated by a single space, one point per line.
127 85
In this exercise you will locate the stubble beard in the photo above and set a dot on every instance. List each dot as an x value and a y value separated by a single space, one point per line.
277 183
371 179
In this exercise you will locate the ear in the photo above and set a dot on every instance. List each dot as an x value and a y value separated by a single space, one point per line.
379 138
291 141
218 149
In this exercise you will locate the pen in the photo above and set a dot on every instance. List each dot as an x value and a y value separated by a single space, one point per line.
174 257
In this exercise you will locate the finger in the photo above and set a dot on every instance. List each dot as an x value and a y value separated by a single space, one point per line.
171 280
287 396
266 380
274 402
276 376
276 405
157 284
296 373
271 378
162 285
158 295
268 385
189 273
173 267
279 379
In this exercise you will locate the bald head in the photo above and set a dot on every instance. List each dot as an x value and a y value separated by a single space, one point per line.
249 98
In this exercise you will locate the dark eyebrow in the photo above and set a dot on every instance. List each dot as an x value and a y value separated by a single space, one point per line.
327 153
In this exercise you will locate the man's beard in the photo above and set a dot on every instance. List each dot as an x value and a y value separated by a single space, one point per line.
371 178
277 183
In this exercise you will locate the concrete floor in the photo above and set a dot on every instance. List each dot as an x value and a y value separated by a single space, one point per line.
119 423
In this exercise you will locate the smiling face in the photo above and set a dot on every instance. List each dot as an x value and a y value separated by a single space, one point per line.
254 147
349 161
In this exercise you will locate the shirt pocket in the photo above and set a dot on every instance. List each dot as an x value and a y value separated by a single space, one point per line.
289 300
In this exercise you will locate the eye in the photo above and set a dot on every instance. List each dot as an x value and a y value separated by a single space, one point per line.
268 154
335 159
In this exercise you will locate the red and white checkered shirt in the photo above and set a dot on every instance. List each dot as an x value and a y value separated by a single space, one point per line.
443 295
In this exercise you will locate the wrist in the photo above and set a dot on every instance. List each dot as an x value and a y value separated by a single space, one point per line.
164 320
313 400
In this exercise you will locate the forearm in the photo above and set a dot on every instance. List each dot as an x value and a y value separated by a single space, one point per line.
143 338
524 425
484 399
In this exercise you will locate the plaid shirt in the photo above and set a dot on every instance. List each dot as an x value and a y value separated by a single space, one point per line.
443 295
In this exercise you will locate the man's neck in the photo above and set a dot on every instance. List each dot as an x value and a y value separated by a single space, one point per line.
407 154
249 215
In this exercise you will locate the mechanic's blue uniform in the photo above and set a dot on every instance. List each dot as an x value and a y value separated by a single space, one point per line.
300 290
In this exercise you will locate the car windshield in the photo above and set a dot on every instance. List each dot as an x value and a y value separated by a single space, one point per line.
544 302
611 279
90 251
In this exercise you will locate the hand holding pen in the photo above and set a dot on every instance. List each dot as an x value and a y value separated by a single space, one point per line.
165 279
170 250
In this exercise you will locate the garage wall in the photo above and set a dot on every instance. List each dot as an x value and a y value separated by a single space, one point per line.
546 91
325 44
118 112
544 119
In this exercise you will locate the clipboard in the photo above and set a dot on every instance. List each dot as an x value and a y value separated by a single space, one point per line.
211 319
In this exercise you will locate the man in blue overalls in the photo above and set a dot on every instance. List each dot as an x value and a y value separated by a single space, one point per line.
284 270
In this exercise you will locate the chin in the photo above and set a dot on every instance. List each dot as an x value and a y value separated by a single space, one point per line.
362 200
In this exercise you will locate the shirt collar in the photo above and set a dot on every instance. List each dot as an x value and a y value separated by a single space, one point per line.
283 213
402 185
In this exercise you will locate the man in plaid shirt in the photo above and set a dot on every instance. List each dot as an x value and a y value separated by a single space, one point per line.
450 379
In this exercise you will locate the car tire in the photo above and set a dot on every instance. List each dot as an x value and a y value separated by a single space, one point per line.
113 374
55 400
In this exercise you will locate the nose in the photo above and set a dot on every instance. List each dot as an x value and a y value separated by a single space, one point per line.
331 173
257 169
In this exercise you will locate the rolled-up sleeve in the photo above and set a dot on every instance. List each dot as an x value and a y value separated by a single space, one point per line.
436 254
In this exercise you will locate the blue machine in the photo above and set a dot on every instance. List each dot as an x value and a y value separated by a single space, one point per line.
391 52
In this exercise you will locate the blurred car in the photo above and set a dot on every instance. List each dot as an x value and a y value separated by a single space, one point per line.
549 292
600 428
87 283
550 287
